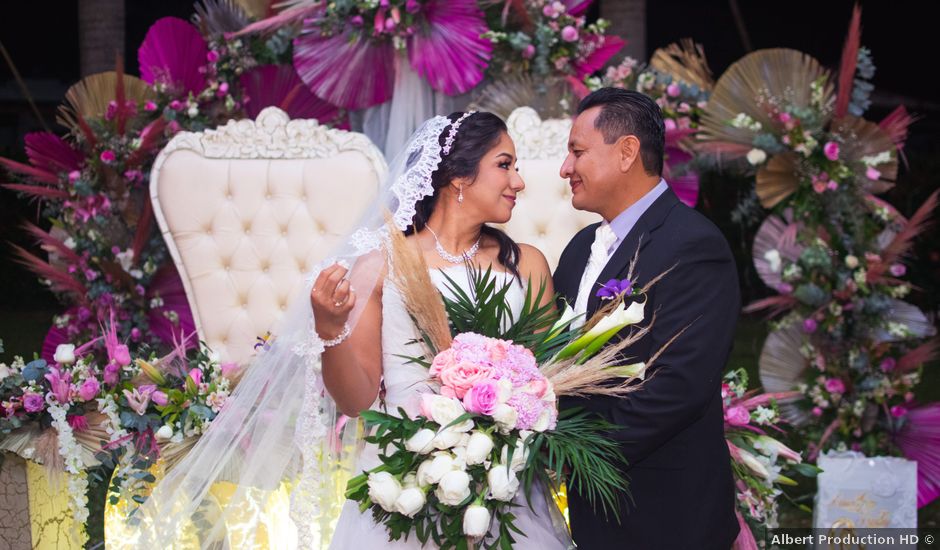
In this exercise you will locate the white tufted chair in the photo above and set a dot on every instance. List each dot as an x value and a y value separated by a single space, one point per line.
246 209
543 216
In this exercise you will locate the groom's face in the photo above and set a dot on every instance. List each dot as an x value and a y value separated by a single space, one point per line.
592 166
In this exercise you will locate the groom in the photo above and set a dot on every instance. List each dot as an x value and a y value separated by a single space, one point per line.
671 430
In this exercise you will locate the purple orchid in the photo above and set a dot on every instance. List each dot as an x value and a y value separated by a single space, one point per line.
614 288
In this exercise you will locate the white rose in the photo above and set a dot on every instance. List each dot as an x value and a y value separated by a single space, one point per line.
773 258
505 417
5 371
64 354
410 480
543 421
165 432
756 156
384 490
453 488
445 410
479 448
432 470
447 438
503 483
519 456
420 442
851 261
476 521
410 501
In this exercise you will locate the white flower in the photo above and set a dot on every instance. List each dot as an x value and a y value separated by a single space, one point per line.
192 111
756 156
5 371
410 480
384 490
420 442
519 455
543 421
502 482
410 501
453 488
165 432
851 261
476 521
446 439
445 410
773 258
478 448
754 465
505 417
432 470
64 354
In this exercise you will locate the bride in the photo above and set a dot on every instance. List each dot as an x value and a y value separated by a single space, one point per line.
285 427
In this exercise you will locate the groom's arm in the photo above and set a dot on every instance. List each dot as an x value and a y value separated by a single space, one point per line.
701 293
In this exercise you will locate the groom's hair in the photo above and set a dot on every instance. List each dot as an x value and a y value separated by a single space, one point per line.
626 112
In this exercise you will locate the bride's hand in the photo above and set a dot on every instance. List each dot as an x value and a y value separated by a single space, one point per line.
331 299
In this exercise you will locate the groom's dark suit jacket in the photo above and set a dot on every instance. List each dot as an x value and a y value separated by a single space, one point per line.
671 430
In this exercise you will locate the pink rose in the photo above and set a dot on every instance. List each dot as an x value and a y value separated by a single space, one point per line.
888 364
737 416
107 156
835 385
817 411
441 361
212 56
458 379
831 150
898 411
528 52
150 106
74 175
673 90
810 325
33 402
669 124
784 117
537 387
482 398
898 270
89 389
569 34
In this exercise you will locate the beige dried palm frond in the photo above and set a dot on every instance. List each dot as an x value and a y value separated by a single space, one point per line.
781 368
172 453
548 97
778 179
21 441
862 138
89 97
685 61
422 300
94 437
757 83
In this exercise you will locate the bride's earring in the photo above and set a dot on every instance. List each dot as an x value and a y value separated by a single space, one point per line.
460 195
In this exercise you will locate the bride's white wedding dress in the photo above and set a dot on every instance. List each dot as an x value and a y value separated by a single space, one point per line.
404 382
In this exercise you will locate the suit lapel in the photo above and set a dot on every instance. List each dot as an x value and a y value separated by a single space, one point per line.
638 238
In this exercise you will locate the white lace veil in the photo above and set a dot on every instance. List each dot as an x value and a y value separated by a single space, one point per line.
271 469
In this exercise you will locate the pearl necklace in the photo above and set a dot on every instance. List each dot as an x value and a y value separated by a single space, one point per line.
468 254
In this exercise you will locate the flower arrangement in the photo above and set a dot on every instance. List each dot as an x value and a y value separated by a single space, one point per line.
76 412
831 249
491 429
550 38
760 463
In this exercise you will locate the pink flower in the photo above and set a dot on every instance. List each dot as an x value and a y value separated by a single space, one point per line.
832 185
549 11
888 364
809 325
835 385
139 398
89 389
673 90
107 156
898 270
737 416
817 411
725 391
412 6
357 20
482 398
78 422
898 411
537 387
528 52
458 379
669 124
33 402
569 34
784 117
59 385
441 361
159 398
212 56
176 105
196 376
74 175
121 355
150 105
111 372
872 174
831 150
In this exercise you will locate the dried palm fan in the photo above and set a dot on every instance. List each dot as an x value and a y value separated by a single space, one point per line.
781 368
777 179
256 9
551 98
685 61
755 84
910 316
89 97
21 441
220 16
775 242
862 138
92 438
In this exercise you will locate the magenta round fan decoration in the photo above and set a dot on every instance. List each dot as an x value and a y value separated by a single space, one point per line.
173 52
54 337
50 152
346 69
279 86
166 284
577 7
919 439
449 50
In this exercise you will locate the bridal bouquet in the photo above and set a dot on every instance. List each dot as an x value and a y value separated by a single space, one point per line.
492 428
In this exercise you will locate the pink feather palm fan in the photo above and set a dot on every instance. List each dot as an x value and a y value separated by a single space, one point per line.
173 52
279 86
919 439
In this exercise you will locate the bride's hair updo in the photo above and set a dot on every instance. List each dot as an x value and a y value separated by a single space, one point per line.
478 134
